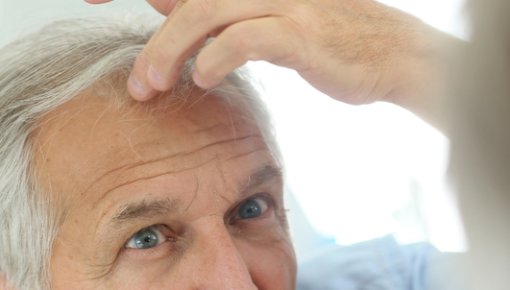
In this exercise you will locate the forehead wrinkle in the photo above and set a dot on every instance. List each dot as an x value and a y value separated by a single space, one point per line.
130 180
224 180
146 178
265 173
213 128
247 153
135 165
222 175
195 192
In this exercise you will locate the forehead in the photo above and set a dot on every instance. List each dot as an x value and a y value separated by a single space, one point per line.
89 137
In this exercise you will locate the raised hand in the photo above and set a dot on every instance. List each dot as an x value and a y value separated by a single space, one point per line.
356 51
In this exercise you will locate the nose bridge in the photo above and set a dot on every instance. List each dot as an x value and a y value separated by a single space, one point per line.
223 267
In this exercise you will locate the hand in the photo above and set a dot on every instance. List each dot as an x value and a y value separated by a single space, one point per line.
356 51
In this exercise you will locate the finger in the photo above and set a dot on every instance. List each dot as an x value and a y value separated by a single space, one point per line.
272 39
190 25
164 6
137 83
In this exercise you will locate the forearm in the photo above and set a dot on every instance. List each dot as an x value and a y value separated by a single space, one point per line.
426 76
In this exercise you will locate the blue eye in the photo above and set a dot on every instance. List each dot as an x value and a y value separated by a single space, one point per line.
146 238
252 208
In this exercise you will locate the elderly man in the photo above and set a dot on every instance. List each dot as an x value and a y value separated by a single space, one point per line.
102 192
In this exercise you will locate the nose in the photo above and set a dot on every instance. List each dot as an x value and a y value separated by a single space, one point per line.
221 264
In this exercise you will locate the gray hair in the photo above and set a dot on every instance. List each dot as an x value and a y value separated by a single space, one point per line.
40 72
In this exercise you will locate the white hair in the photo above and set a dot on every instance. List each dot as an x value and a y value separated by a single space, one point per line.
40 72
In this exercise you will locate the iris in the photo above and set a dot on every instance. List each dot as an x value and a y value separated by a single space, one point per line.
145 239
252 208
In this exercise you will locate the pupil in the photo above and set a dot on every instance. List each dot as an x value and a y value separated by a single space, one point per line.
146 239
250 210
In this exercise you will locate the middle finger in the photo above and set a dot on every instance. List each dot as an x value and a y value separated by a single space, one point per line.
187 28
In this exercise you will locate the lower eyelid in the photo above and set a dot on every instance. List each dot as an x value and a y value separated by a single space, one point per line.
162 250
269 213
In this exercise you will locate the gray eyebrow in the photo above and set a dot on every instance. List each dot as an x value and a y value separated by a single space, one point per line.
261 176
147 209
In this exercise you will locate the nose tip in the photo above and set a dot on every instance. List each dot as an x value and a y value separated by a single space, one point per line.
229 271
223 266
233 276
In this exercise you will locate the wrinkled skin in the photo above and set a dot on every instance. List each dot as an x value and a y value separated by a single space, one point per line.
189 173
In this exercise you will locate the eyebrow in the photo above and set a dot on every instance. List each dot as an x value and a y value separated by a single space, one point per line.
261 176
150 209
146 209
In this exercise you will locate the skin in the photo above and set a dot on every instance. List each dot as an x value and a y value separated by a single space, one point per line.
355 51
194 167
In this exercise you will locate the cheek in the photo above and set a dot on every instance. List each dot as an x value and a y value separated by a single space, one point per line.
67 267
145 278
272 266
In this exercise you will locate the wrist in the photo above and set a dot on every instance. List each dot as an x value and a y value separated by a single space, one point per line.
422 76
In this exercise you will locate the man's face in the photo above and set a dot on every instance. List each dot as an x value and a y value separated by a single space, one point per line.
167 199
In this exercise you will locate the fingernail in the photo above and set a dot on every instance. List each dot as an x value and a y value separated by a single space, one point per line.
141 92
156 79
198 80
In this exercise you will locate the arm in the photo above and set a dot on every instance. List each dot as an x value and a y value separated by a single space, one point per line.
356 51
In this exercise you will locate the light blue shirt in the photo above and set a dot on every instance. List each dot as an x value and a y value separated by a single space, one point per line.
380 264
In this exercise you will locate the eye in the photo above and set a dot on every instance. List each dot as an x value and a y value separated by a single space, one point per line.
252 208
146 238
